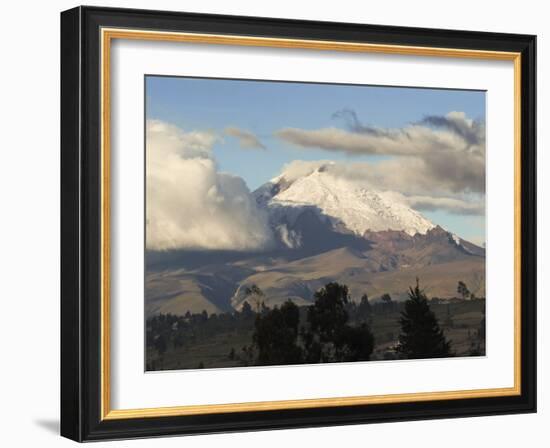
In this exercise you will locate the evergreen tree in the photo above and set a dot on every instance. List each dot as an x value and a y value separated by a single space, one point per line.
364 308
204 316
354 343
279 339
330 338
246 310
328 313
387 303
276 334
161 345
256 295
420 335
462 289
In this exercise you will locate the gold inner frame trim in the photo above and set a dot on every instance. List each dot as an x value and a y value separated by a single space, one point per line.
107 35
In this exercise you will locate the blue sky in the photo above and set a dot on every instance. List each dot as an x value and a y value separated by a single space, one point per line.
263 107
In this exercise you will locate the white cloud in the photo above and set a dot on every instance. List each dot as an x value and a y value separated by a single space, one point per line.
440 153
301 168
190 204
413 140
410 178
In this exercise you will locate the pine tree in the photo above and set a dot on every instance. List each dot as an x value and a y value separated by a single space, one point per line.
420 335
330 338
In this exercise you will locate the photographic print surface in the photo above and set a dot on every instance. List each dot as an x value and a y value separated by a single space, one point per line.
301 223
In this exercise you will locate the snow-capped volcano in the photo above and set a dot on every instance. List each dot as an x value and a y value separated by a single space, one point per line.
348 206
325 229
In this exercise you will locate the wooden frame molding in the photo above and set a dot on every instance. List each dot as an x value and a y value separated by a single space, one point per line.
87 35
108 35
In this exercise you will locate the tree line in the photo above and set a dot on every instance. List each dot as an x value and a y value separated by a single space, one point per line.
337 330
334 328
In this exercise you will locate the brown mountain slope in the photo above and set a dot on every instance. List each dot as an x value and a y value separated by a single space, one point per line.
378 263
298 280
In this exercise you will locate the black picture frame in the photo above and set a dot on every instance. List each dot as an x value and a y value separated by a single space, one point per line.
81 224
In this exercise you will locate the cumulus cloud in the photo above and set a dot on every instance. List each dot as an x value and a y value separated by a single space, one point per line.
247 140
473 132
190 204
412 140
445 153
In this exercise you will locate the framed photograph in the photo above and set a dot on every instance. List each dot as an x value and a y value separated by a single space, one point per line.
275 224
